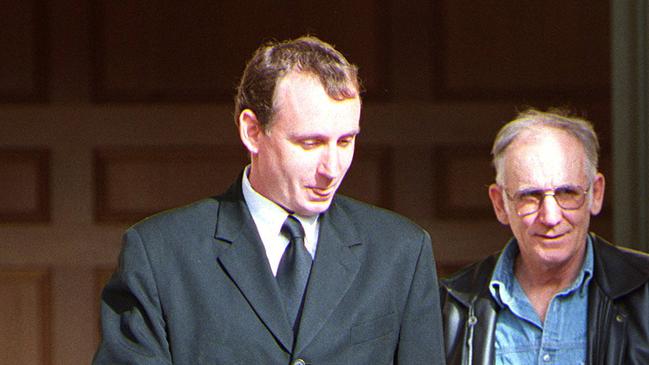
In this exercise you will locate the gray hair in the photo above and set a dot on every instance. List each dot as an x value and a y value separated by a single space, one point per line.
553 118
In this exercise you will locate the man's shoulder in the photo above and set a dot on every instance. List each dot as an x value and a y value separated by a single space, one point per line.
471 280
619 269
371 217
194 214
611 252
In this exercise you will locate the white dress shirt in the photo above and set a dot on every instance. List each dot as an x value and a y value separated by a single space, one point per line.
269 218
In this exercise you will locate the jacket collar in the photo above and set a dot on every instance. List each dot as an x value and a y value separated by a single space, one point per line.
618 270
334 270
472 282
611 264
240 251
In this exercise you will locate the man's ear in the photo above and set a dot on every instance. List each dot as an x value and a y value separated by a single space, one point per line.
497 196
598 194
250 130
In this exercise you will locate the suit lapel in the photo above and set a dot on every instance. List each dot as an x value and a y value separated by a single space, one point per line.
334 269
243 257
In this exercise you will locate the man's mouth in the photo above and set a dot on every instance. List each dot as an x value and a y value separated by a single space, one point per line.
552 236
323 192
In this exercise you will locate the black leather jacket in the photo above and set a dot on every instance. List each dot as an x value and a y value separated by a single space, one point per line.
618 310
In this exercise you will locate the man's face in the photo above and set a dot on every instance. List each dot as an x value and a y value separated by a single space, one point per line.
300 161
546 159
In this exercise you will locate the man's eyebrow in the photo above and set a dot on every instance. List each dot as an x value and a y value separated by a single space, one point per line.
355 132
528 190
323 136
532 189
352 134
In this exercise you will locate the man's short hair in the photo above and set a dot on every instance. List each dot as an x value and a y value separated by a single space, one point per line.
274 60
555 118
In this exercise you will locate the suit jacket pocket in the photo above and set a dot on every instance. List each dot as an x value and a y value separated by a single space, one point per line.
374 329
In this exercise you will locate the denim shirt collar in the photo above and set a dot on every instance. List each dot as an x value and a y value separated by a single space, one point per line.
501 285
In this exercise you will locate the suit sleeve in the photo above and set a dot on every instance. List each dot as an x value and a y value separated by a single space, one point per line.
420 339
133 327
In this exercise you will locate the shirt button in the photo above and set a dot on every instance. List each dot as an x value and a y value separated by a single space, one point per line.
298 362
546 357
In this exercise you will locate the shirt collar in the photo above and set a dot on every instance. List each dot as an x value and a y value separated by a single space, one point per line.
268 215
501 285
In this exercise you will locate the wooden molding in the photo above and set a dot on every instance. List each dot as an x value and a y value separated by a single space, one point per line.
24 177
370 176
181 53
31 287
461 177
542 51
134 182
26 48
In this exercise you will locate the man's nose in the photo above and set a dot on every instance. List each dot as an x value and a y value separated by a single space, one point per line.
330 162
550 213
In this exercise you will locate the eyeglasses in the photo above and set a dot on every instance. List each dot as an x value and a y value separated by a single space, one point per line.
528 201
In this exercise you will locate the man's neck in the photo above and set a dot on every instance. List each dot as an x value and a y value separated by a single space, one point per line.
542 282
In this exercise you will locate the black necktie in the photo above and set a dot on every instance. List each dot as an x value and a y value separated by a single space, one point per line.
294 268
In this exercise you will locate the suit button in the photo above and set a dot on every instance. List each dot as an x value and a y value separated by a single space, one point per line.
298 362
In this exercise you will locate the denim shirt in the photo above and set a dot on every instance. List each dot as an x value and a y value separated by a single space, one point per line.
521 337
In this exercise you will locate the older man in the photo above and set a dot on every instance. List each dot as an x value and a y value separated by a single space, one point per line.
556 294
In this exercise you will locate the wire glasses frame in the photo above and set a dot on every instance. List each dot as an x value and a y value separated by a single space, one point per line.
528 201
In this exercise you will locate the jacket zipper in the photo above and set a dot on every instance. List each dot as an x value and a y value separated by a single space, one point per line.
470 323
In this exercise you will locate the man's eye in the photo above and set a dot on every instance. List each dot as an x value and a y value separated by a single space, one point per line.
309 143
567 191
530 195
346 141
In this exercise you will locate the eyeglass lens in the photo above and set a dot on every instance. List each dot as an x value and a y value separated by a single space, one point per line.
567 197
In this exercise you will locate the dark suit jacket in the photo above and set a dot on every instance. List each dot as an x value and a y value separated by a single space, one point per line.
194 286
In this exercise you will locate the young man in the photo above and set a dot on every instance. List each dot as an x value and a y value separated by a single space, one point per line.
279 269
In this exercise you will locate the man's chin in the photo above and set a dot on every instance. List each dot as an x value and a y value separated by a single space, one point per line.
314 208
